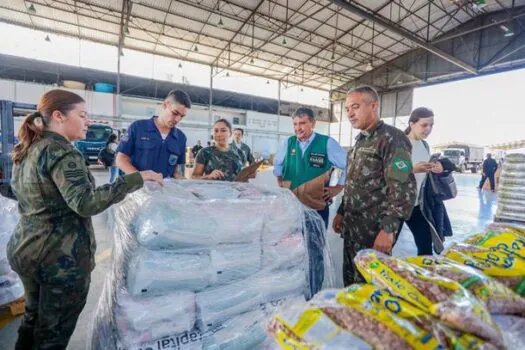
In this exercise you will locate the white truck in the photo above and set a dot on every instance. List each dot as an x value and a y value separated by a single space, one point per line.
465 156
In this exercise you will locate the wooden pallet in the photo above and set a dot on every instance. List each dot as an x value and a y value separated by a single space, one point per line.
16 307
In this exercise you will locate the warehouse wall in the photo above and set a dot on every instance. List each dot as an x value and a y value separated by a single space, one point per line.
264 132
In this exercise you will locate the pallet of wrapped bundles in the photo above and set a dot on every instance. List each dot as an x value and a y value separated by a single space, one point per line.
498 298
511 195
11 288
201 265
505 267
444 298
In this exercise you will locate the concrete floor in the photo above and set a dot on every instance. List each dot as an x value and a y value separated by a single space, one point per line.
469 213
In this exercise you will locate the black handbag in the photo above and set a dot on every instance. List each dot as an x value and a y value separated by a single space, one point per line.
106 157
443 186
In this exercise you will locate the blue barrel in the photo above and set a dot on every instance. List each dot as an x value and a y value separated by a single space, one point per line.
103 87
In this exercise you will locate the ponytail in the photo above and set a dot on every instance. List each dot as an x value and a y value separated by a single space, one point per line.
407 130
30 131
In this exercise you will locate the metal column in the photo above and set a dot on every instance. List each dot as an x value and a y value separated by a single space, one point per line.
210 110
279 98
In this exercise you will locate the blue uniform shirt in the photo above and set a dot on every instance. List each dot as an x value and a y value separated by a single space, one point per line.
148 151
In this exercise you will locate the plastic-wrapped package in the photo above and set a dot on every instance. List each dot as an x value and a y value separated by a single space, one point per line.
228 251
505 227
511 193
512 328
147 318
506 268
222 303
441 297
505 240
189 340
498 298
307 326
407 314
154 272
288 252
246 331
11 288
8 220
344 320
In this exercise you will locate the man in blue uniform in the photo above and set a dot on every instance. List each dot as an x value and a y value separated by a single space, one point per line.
156 144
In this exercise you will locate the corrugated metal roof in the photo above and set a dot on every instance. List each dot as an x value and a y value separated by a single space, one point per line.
308 42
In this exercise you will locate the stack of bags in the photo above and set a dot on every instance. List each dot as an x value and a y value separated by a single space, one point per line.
471 297
203 265
11 287
511 194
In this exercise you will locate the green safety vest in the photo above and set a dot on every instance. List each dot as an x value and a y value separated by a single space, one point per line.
313 167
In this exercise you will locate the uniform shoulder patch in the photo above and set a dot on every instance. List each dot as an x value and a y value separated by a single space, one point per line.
72 165
401 165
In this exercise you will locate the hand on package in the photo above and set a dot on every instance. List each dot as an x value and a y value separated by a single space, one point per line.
337 225
215 175
149 175
384 242
437 168
423 167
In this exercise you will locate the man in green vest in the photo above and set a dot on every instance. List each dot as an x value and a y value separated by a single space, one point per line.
304 164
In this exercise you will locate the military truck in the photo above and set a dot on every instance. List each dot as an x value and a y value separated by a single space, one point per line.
465 156
96 137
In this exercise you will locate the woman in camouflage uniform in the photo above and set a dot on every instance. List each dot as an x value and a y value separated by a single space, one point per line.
53 246
222 161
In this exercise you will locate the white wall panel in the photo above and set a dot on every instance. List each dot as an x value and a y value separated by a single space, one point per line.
7 90
29 92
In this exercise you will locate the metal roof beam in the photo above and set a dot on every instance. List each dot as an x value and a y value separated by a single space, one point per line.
403 32
183 55
254 11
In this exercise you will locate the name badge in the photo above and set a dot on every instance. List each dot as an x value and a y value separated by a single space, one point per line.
172 160
317 160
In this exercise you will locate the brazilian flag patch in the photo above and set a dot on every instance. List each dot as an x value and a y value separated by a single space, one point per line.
401 165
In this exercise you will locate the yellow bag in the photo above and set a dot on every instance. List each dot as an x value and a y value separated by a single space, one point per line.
501 239
400 308
505 267
306 326
439 296
326 323
502 227
498 298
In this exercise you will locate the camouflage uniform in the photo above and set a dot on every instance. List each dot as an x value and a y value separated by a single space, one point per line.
246 153
229 162
53 246
380 191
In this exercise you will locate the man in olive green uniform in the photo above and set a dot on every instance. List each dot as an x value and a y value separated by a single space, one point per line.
244 149
53 246
380 188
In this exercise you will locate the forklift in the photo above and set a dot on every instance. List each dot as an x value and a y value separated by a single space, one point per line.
8 111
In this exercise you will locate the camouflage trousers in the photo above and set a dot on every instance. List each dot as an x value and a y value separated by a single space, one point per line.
358 234
52 310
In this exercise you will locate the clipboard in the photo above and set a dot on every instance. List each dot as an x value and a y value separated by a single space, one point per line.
248 172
